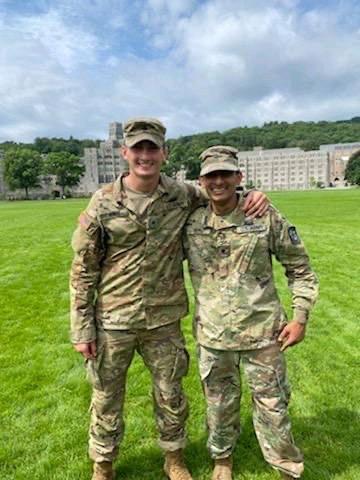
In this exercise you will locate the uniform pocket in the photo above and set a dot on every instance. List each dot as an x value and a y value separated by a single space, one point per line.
206 363
93 370
182 360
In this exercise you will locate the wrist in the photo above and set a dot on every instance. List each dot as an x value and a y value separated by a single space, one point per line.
301 317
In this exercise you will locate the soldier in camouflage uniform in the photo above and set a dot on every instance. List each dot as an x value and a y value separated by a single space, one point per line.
238 315
128 294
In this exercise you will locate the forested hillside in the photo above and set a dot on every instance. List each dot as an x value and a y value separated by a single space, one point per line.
306 135
184 151
48 145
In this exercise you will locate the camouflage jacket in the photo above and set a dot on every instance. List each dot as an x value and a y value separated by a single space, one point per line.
127 271
230 262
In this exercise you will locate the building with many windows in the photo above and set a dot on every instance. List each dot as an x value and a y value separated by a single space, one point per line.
103 164
339 154
276 169
294 168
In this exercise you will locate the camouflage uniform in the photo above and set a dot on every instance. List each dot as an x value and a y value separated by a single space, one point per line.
127 292
238 316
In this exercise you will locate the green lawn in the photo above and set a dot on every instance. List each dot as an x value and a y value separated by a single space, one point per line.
44 396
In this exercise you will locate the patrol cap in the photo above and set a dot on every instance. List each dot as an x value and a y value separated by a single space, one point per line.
219 157
144 128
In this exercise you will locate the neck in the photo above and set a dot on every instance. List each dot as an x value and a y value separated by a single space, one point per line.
141 184
224 208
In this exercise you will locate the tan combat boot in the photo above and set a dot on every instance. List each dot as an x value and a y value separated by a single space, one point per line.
103 471
222 469
175 467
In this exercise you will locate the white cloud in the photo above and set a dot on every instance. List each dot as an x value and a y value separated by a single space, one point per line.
73 67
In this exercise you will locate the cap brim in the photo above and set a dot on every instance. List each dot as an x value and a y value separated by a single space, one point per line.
133 140
227 167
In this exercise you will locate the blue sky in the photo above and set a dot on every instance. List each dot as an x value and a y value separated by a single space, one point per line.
70 67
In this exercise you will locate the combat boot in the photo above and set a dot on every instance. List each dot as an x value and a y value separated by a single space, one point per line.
174 466
103 471
222 469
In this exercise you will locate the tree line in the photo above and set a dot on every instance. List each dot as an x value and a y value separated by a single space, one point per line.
24 168
184 151
25 164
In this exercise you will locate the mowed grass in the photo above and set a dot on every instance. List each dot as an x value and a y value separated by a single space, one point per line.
44 396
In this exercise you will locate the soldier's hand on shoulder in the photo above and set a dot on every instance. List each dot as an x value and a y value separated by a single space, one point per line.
87 350
291 334
256 204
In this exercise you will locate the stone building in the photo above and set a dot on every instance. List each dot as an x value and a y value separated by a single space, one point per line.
284 168
294 168
276 169
339 154
103 164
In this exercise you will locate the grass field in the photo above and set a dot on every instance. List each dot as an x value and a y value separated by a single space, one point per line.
44 396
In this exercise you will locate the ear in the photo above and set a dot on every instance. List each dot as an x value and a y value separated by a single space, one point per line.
238 177
201 181
123 151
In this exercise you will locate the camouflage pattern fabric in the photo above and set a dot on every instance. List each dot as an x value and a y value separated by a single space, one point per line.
230 263
127 269
266 373
238 316
163 352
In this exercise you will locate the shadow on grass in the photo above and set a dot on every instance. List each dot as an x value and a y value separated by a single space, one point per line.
329 441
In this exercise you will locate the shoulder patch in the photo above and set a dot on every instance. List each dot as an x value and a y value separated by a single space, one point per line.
293 235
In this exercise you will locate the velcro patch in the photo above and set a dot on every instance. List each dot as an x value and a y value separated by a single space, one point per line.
252 228
293 235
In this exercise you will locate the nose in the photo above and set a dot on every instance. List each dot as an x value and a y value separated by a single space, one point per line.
144 152
218 179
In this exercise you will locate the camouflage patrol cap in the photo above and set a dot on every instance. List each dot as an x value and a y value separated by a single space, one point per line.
219 157
144 128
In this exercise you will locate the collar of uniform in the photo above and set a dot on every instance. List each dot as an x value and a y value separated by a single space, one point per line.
120 192
233 219
167 187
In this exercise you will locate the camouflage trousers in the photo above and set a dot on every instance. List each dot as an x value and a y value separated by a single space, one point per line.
266 373
164 354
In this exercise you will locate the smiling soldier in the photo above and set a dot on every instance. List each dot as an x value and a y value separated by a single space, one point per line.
238 315
128 294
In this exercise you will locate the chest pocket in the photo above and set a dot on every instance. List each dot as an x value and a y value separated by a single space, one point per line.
122 230
200 249
246 242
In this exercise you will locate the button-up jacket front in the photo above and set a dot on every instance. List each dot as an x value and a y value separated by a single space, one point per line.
127 270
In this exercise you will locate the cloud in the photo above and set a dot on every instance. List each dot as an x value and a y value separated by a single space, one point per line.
68 68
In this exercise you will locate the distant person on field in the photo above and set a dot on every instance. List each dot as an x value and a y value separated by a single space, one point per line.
238 315
128 295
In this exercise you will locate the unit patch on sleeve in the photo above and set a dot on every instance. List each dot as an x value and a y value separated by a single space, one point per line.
294 237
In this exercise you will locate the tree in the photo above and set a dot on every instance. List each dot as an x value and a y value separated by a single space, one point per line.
352 171
66 167
312 182
22 168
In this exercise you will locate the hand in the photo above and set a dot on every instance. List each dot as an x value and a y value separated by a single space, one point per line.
87 350
256 204
291 334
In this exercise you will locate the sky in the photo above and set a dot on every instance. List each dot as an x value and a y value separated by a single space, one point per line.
71 67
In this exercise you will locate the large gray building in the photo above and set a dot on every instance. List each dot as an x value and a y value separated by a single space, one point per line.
103 164
294 168
276 169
